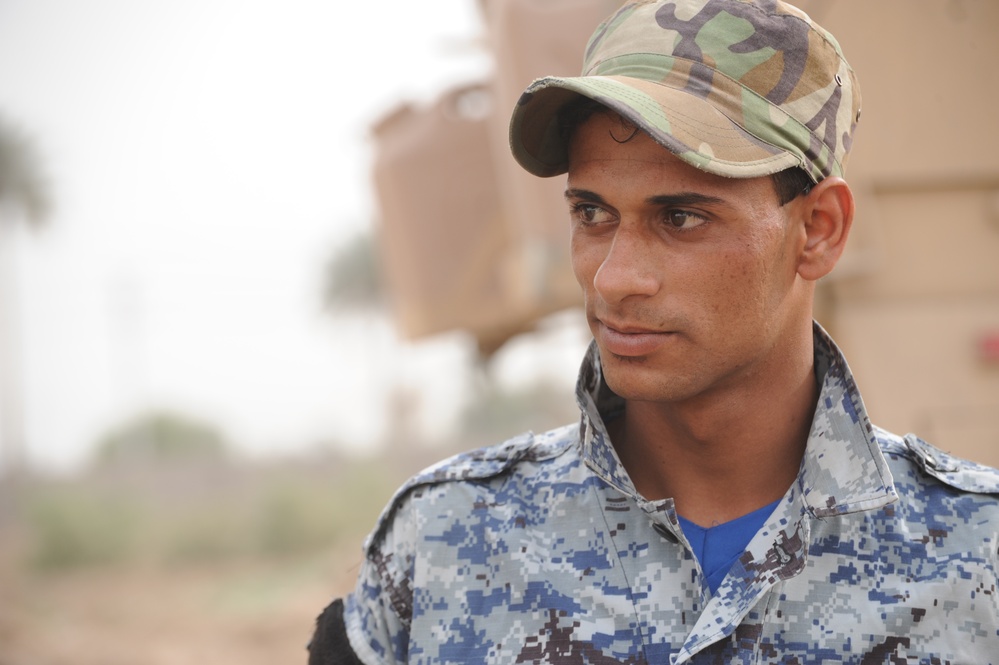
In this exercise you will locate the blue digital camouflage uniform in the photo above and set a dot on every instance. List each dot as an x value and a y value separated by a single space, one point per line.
540 550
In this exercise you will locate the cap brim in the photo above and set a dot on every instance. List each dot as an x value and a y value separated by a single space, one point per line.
686 124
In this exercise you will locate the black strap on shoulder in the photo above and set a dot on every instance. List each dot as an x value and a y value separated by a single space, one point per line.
329 645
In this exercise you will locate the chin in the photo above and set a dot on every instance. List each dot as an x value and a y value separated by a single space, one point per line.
634 381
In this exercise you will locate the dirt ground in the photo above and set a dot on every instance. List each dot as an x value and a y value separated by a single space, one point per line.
248 613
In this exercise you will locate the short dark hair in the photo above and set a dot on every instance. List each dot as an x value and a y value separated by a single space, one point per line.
789 184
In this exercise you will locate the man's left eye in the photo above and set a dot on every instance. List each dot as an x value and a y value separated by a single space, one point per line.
683 219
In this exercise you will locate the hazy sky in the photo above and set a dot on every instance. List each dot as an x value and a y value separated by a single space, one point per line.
206 157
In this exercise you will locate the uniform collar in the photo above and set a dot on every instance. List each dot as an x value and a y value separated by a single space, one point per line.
843 470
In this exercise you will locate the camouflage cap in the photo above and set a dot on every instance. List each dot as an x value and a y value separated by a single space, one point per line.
739 88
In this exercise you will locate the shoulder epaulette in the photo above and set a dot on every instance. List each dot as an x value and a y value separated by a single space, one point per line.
959 473
474 465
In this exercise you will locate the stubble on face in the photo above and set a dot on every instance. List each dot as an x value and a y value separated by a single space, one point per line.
677 312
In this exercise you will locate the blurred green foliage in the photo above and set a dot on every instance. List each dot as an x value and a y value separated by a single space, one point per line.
292 517
498 414
161 437
353 277
23 181
191 518
164 490
71 527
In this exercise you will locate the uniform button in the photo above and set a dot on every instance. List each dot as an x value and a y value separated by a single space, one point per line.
664 532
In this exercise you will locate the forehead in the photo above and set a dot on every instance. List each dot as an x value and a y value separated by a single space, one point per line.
607 146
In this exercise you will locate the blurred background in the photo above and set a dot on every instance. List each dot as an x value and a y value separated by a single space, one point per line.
260 261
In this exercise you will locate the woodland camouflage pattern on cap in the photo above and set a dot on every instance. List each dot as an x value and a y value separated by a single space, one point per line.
737 88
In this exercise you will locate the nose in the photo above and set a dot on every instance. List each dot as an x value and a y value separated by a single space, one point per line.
629 268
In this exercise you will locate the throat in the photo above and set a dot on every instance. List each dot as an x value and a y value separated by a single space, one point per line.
710 481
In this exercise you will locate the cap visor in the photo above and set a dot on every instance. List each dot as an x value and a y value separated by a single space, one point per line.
687 125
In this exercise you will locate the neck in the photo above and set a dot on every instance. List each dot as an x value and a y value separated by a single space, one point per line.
721 456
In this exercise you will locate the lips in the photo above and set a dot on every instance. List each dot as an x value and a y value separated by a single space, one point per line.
630 341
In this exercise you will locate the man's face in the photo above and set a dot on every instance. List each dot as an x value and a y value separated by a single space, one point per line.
689 278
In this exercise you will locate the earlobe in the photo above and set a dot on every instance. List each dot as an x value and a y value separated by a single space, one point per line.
828 215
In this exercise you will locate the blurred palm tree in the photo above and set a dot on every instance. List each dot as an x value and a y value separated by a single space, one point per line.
24 201
353 279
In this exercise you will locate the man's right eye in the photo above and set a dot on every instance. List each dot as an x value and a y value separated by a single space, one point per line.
587 213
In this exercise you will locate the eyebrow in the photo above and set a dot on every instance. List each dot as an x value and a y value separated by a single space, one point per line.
679 199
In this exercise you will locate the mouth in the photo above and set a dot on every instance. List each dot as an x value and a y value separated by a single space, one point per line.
629 341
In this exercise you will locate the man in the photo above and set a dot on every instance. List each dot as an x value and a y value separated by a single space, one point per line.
725 497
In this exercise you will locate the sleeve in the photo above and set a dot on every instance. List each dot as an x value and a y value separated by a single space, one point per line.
378 612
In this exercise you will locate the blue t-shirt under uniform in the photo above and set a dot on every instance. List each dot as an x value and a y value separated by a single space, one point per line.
717 547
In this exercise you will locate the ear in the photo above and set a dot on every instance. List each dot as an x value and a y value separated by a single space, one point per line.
828 215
